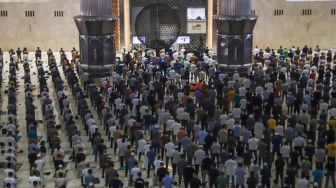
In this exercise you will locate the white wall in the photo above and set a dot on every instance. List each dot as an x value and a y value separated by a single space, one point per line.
44 29
292 28
48 31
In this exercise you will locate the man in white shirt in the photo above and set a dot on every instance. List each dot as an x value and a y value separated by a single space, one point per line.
280 130
39 166
179 112
199 156
34 180
230 167
135 172
90 121
170 123
253 146
303 183
141 147
229 123
93 128
259 129
170 148
298 144
175 128
172 74
9 180
117 105
236 112
242 91
157 165
285 151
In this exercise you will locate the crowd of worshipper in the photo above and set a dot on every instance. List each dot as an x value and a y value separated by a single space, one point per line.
174 118
9 131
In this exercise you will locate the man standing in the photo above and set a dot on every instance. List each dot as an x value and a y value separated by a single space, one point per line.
38 54
139 182
222 181
330 167
230 166
199 156
151 154
188 175
116 182
167 181
265 176
213 175
18 53
279 169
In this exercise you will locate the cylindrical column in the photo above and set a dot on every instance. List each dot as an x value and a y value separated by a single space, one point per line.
127 25
96 26
235 7
210 24
235 36
96 7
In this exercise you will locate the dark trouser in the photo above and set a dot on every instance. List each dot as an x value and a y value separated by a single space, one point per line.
277 175
103 171
215 158
149 167
197 169
330 175
299 150
232 177
266 183
140 156
95 152
186 182
126 169
115 148
174 166
122 158
162 151
179 179
255 152
213 183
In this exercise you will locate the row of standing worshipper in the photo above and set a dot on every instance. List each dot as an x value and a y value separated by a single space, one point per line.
9 132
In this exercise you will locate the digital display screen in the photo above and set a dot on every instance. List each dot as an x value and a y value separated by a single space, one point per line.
196 13
137 41
183 40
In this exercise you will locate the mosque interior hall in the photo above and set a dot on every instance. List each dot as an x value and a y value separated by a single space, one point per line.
167 93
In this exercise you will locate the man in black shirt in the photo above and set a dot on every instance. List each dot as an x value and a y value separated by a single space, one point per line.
188 175
38 53
161 173
330 167
213 174
330 135
291 174
265 176
252 181
18 53
206 165
139 183
80 157
115 182
195 182
279 169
